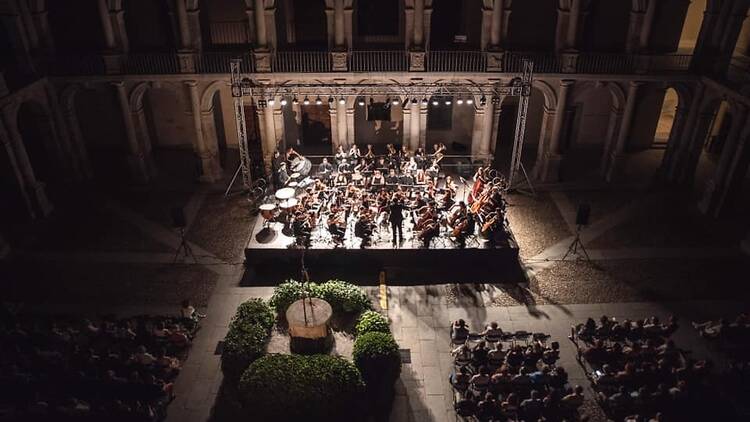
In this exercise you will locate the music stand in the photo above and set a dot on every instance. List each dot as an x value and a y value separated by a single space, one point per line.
575 245
184 247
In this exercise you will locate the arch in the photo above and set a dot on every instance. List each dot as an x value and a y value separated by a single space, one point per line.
208 95
618 95
550 96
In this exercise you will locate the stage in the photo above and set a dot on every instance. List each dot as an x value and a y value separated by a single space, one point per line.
271 253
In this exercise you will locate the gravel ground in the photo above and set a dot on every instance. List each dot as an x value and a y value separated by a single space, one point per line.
536 223
222 226
112 284
154 204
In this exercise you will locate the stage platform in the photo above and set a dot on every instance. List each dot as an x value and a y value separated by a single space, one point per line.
272 255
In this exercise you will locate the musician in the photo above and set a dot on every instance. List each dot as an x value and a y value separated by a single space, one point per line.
434 170
406 179
301 228
370 154
450 184
393 161
381 165
478 187
438 150
354 153
420 178
292 155
396 218
392 178
337 225
340 156
363 227
340 180
427 225
282 176
377 179
419 157
410 166
325 168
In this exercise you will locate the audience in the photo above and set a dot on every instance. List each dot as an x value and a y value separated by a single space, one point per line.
58 368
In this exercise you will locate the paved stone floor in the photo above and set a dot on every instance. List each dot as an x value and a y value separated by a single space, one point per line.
668 261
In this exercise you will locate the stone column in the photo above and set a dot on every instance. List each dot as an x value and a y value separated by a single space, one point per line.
648 23
278 123
418 24
261 36
547 117
335 140
182 25
552 158
350 134
496 25
38 202
406 113
423 127
339 38
78 142
331 23
62 135
136 158
41 22
342 125
673 143
194 27
477 132
495 128
269 141
487 129
427 23
109 33
571 37
28 23
408 24
681 150
415 126
5 140
615 155
718 188
207 154
19 39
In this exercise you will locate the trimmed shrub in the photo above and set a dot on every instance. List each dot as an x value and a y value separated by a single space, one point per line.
289 292
255 311
244 343
295 387
343 296
247 337
371 321
378 359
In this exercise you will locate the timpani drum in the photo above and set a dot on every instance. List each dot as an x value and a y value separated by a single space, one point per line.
288 206
294 176
267 211
284 194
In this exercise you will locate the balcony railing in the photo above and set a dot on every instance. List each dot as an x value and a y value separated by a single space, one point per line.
301 61
151 64
372 61
378 61
456 61
219 62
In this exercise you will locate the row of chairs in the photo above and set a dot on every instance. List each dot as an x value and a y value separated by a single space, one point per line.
516 337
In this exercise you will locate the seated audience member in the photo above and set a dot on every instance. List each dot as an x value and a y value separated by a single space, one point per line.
532 407
492 332
459 330
574 399
460 380
465 406
462 354
710 329
481 381
479 355
496 355
488 408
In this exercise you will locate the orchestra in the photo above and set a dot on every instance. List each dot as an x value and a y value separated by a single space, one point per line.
374 195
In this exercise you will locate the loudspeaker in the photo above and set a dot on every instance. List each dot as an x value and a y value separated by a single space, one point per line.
178 217
582 216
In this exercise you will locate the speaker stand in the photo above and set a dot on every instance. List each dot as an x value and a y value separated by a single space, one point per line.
575 245
187 251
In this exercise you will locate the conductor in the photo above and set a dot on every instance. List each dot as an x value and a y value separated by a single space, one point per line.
396 218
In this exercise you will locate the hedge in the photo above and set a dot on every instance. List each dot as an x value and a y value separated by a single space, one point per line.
247 337
296 388
371 321
378 359
342 296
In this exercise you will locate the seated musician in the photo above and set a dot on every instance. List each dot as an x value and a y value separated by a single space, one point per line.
447 200
325 168
340 156
301 229
406 179
340 180
420 178
354 153
434 170
438 150
337 224
459 222
292 155
377 179
419 157
370 154
392 178
450 184
363 227
282 176
361 166
410 166
427 226
344 166
381 165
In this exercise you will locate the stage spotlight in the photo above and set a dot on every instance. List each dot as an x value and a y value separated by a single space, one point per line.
460 101
424 101
271 101
395 101
448 101
361 102
283 101
318 101
482 101
435 102
469 100
495 100
405 103
306 101
262 103
387 101
342 101
295 101
330 100
414 100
